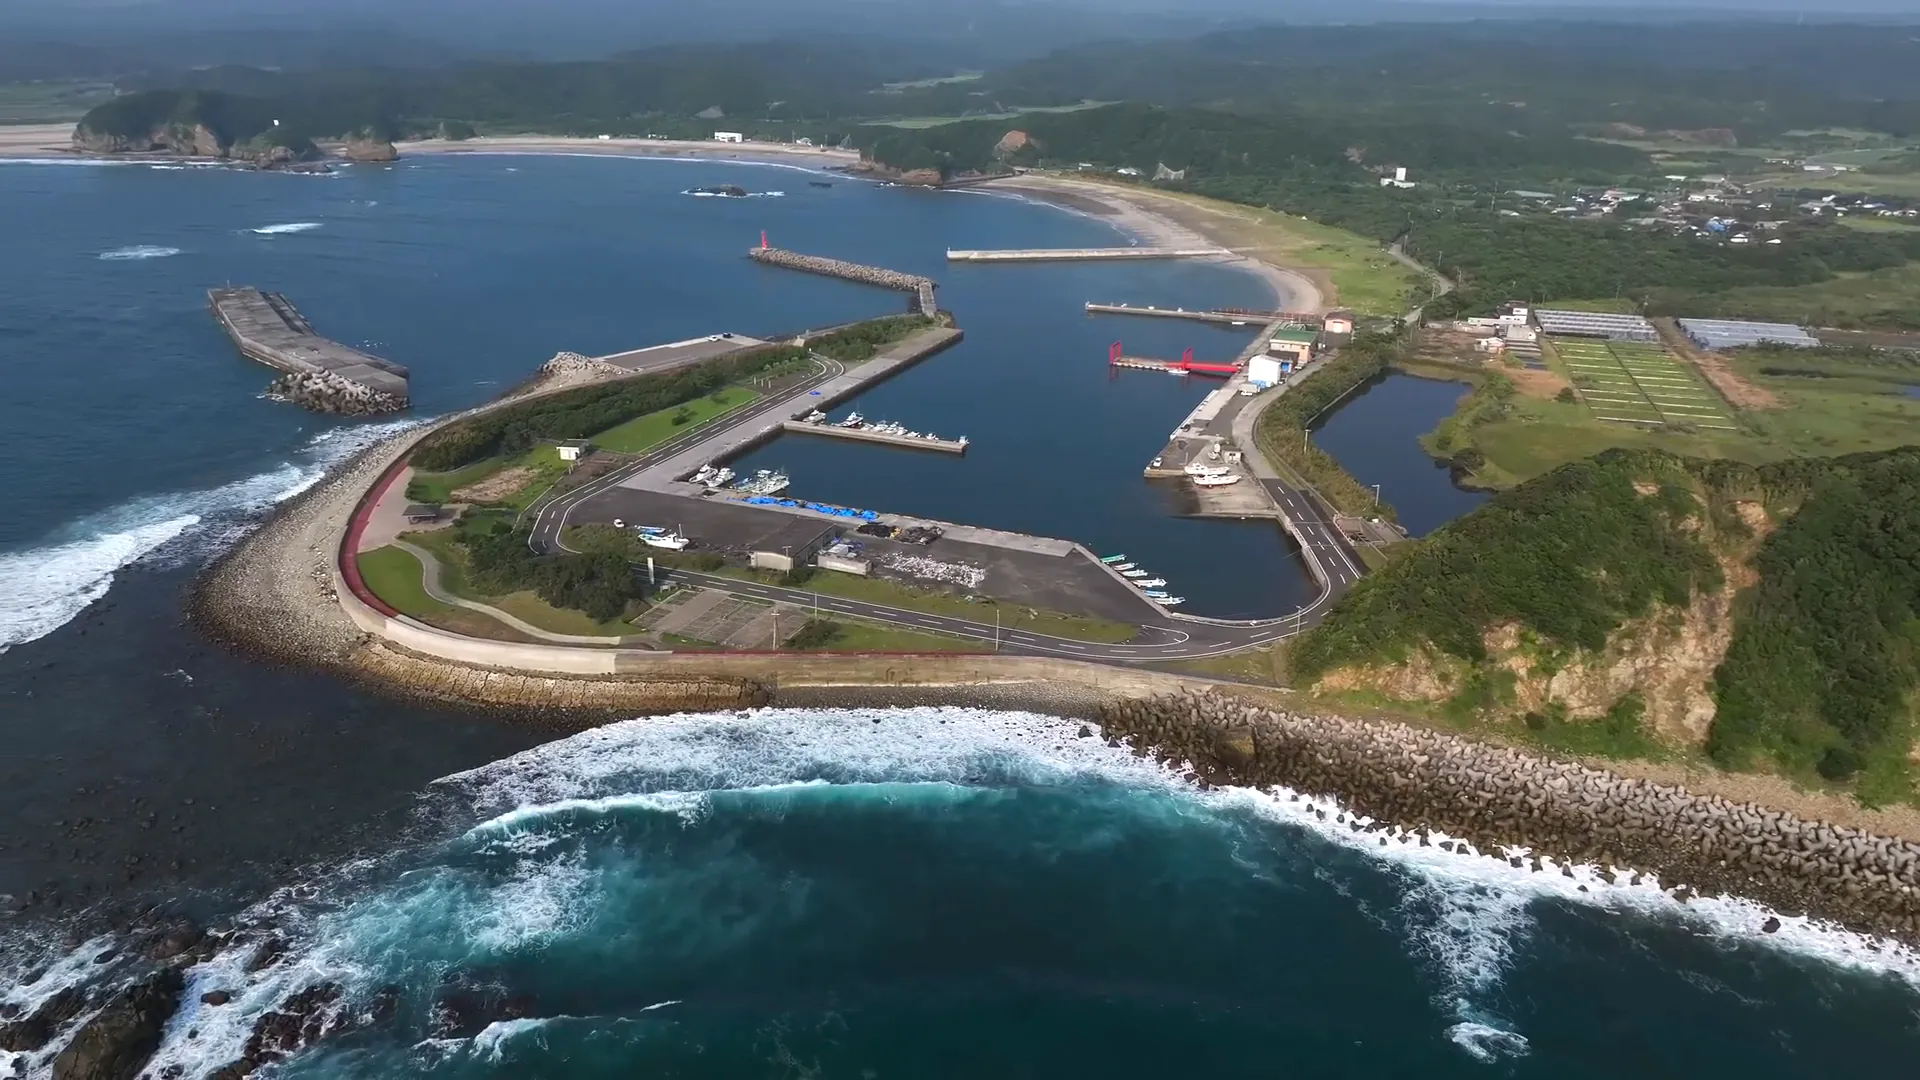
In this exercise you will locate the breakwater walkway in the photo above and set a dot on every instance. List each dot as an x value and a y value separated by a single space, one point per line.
1071 254
920 288
320 374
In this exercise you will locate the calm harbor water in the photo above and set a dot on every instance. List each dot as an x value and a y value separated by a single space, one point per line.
806 893
1376 435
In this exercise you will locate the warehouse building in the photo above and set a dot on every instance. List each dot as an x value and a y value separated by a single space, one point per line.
1596 324
1732 334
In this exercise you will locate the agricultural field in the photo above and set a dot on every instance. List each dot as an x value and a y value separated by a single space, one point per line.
1634 383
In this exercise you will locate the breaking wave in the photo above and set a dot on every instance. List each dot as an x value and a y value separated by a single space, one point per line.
45 587
138 251
290 227
655 872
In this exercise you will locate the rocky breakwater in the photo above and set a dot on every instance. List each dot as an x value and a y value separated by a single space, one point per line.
1497 797
921 288
325 392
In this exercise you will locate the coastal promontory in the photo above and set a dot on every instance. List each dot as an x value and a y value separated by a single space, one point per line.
211 124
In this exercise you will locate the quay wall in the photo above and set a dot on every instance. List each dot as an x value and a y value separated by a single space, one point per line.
1496 797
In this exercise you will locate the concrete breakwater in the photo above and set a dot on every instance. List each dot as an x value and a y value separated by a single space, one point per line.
920 288
319 374
1495 797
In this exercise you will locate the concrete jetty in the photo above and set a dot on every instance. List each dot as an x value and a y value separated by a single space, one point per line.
320 374
864 434
921 289
1066 254
1227 316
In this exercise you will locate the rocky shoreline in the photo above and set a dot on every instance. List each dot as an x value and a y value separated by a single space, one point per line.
1393 777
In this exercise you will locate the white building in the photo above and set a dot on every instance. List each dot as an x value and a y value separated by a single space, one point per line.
728 136
572 449
1264 371
1398 179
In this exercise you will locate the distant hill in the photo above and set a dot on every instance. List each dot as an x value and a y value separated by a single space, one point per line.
1764 614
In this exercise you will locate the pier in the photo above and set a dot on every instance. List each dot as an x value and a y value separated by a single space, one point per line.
318 373
1070 254
921 289
1227 316
1186 365
866 434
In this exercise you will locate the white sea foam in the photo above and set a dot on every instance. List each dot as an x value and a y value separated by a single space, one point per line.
44 587
1465 911
290 227
138 251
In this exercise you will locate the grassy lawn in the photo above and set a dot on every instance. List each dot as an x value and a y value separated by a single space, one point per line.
643 433
1266 667
394 575
522 605
1904 185
1880 224
532 473
1887 298
938 602
50 102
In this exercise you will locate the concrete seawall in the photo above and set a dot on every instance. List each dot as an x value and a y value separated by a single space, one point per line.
908 442
322 375
1496 796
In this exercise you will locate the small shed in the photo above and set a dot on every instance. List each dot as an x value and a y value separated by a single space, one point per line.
1338 322
573 449
421 513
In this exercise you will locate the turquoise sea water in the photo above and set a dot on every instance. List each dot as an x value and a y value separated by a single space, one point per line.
907 893
952 893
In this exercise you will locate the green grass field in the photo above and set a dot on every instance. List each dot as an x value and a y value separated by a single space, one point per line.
643 433
394 575
50 102
1631 383
522 605
1880 224
538 469
1884 299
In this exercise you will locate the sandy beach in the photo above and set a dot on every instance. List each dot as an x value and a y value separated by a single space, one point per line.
1164 221
36 140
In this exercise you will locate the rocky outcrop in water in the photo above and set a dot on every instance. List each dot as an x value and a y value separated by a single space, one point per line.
369 148
26 1034
1497 796
117 1043
324 392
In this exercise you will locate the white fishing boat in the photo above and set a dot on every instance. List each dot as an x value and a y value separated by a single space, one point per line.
1125 566
672 541
1158 594
1221 480
814 417
853 420
1134 573
718 478
1151 583
763 482
1199 468
1169 601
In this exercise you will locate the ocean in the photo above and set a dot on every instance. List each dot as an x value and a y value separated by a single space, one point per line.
821 893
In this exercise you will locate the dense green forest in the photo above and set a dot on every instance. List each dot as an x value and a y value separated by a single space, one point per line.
1824 662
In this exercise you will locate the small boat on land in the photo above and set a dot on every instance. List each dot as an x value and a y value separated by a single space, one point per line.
1221 480
672 541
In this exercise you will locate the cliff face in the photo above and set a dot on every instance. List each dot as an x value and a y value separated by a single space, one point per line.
190 140
368 149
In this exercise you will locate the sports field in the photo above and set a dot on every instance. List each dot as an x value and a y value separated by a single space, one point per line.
1635 383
